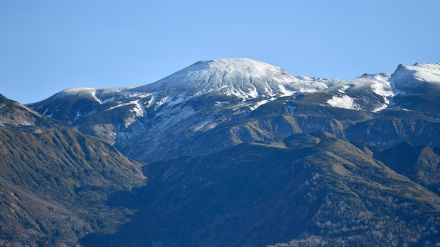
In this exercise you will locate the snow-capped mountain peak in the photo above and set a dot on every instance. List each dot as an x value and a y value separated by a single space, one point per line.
241 77
415 76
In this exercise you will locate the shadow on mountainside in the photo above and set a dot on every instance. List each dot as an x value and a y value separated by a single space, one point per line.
303 190
224 198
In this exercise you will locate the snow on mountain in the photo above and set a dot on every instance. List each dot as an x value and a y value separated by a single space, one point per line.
369 92
81 91
209 95
416 76
248 79
240 77
239 85
343 101
379 83
252 83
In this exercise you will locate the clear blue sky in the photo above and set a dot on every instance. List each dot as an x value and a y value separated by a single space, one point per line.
46 46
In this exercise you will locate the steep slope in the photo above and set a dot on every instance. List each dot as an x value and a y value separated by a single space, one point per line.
299 190
50 175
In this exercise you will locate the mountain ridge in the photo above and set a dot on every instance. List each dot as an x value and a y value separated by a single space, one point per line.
246 67
155 113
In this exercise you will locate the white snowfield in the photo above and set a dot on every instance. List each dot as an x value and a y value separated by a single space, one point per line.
344 101
249 79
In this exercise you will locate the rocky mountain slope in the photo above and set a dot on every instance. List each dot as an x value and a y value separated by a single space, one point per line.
54 180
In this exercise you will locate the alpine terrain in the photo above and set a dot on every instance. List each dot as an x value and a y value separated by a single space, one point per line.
227 152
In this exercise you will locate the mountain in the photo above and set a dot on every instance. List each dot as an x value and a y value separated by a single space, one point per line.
170 114
419 76
418 88
239 153
54 181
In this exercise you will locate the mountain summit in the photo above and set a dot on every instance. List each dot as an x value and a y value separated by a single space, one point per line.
241 77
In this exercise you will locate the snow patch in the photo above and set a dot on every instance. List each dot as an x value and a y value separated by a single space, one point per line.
138 108
344 101
343 88
93 93
161 102
260 103
82 91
